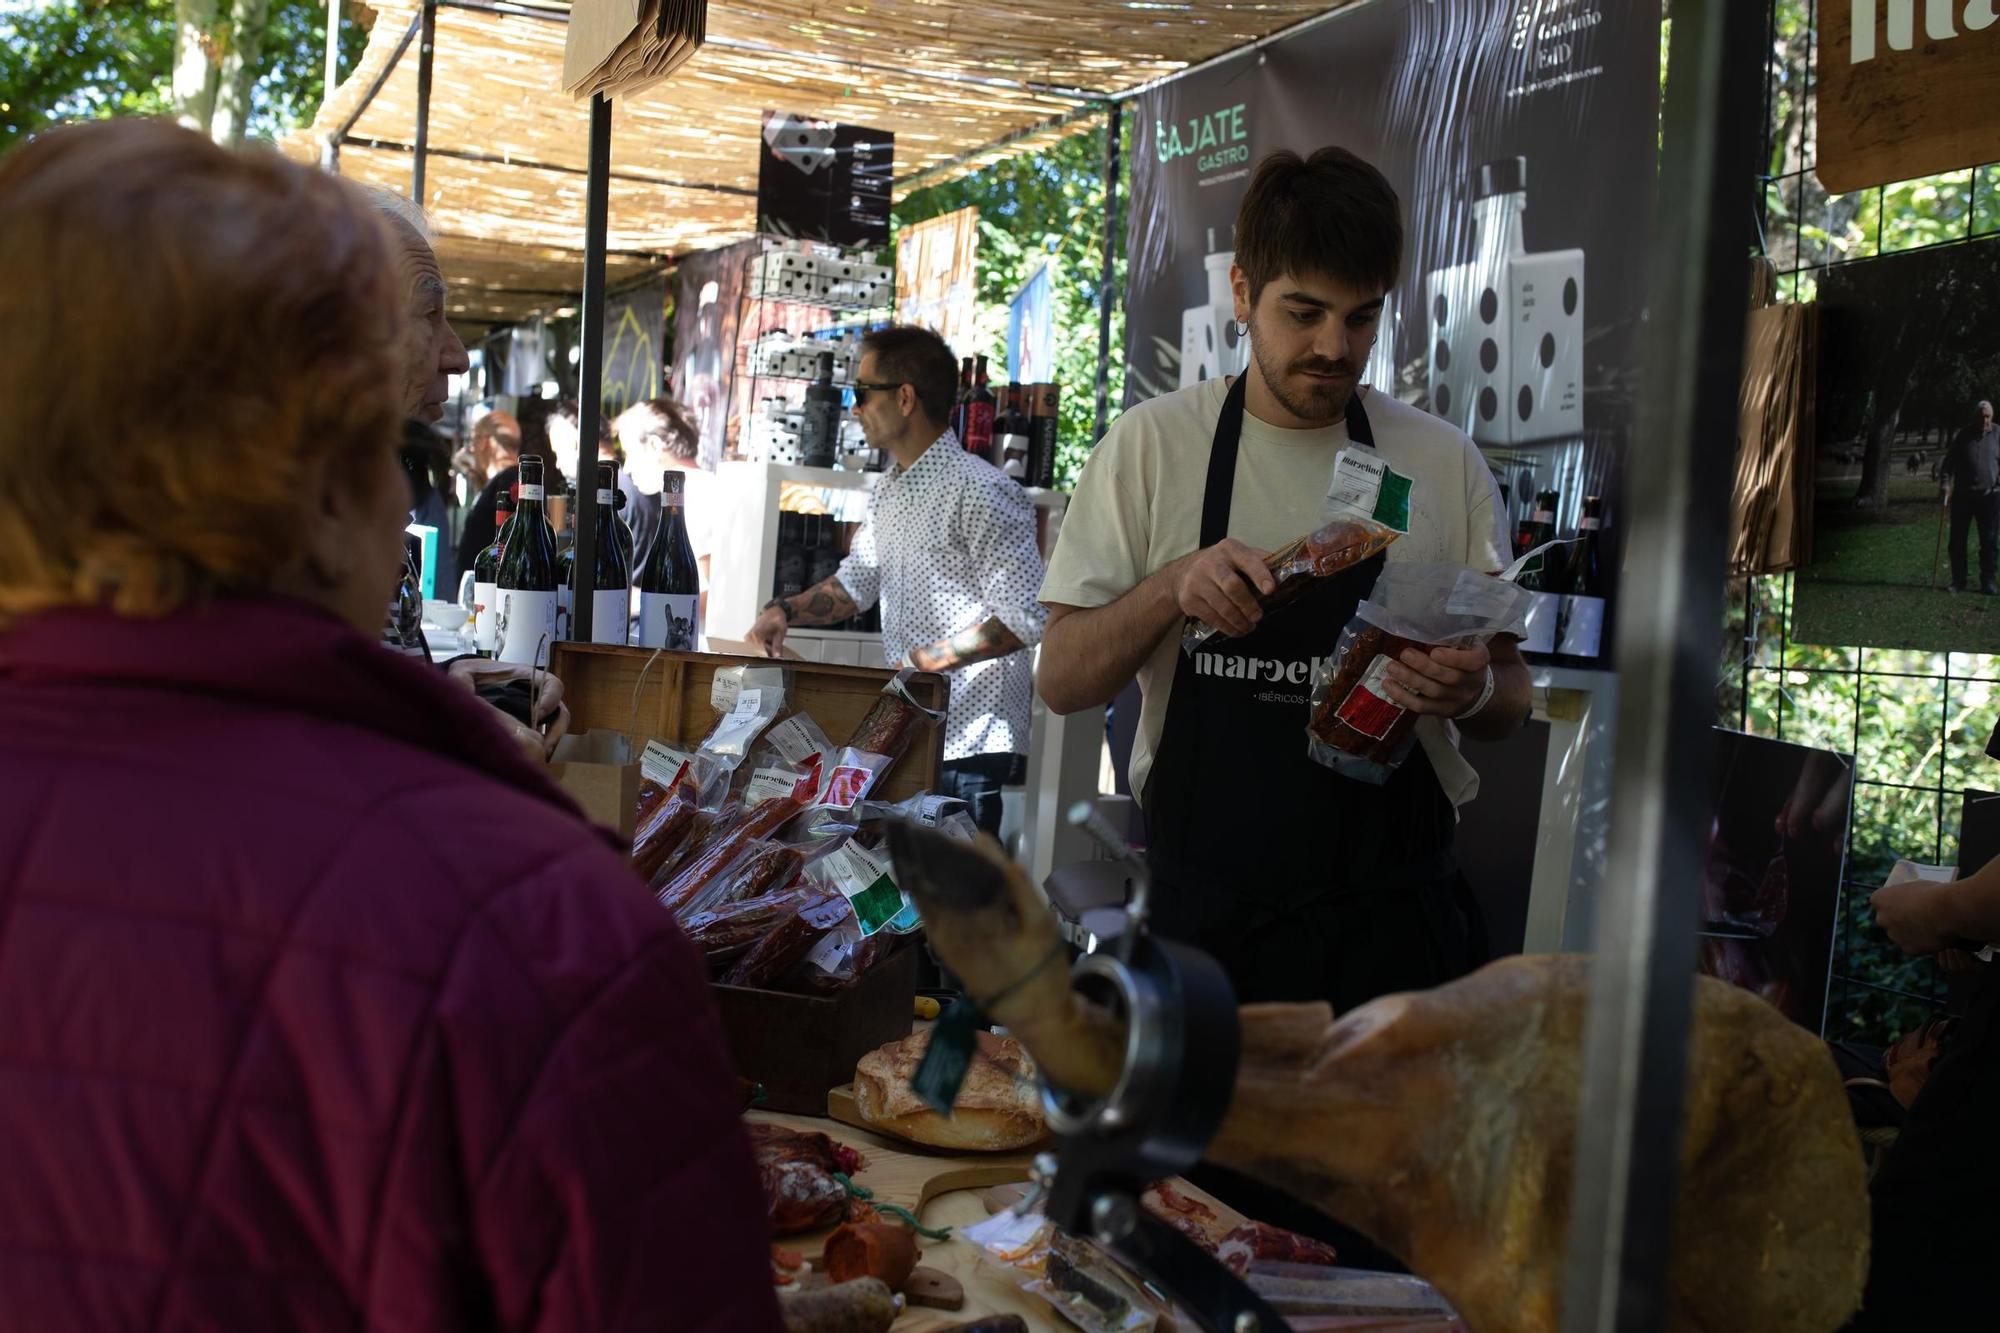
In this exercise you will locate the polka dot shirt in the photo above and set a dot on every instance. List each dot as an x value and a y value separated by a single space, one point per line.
949 544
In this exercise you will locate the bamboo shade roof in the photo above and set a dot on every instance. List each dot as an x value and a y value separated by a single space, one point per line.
959 84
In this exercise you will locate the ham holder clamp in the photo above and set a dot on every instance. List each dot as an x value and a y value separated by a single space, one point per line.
1172 1090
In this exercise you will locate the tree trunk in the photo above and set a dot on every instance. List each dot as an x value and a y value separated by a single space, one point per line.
197 48
241 57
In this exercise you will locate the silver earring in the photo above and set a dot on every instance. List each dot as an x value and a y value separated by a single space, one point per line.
1242 328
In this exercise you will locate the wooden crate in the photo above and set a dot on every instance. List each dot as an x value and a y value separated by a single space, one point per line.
800 1047
626 689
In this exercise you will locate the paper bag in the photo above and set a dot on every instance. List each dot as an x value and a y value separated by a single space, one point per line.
599 771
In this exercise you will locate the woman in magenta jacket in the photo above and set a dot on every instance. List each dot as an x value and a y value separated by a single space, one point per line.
320 1007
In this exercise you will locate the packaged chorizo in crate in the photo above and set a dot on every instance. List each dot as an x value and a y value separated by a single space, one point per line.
1354 727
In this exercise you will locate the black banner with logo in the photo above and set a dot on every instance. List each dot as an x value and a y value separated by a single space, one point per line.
635 324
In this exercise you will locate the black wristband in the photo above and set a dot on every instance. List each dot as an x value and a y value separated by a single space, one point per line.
784 608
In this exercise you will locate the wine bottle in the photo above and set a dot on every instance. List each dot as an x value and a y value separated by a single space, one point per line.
1583 627
819 432
526 579
486 571
979 413
611 589
566 566
670 585
1010 434
1043 430
964 396
1545 613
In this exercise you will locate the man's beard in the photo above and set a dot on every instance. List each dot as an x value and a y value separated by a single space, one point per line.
1321 404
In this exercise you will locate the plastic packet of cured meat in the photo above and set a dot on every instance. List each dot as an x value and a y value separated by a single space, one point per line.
894 723
1353 726
746 699
725 933
788 941
839 959
790 756
693 878
1094 1291
864 877
1339 544
761 867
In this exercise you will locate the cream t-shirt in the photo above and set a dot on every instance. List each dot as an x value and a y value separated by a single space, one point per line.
1137 508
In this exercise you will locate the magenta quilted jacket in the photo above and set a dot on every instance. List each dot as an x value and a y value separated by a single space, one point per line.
320 1008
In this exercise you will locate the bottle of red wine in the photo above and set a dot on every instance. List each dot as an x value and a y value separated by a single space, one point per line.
670 584
526 579
486 573
566 564
979 412
964 396
611 590
1010 434
1583 625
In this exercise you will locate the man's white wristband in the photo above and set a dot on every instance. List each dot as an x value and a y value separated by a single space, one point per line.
1485 696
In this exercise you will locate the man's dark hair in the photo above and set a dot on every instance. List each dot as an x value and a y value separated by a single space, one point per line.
905 354
1330 214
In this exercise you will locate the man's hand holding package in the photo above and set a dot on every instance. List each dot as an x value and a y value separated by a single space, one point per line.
551 713
1219 586
1444 681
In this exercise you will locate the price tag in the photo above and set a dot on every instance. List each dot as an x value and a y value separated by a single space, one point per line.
748 703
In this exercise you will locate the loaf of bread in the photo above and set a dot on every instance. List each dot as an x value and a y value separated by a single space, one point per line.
999 1108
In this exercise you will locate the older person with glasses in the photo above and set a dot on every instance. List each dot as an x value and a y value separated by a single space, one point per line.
320 1006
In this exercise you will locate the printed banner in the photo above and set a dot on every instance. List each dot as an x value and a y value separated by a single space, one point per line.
937 278
1031 331
635 323
708 304
824 181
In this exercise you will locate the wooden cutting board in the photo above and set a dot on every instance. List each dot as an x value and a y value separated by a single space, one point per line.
901 1173
840 1106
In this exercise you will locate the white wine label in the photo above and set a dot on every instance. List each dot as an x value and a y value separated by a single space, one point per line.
530 492
1543 613
609 610
485 614
526 628
668 501
565 619
669 620
1589 524
1583 627
604 498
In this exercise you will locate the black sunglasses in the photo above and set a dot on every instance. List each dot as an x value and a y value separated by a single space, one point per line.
861 390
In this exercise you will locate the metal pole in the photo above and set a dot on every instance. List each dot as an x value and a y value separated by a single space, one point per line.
332 49
1636 1034
425 51
1113 132
590 369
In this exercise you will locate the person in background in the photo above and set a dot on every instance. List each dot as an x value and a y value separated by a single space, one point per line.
1935 1201
481 519
427 354
1972 466
320 1006
427 463
948 547
495 445
660 436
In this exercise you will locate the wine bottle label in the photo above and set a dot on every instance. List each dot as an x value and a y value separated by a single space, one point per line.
1583 627
669 620
1542 516
1589 524
484 614
531 492
671 501
564 612
605 497
525 630
1543 613
610 608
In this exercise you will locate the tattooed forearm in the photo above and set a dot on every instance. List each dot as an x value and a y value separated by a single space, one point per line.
825 603
979 644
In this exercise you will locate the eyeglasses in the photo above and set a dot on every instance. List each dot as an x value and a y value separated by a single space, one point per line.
862 390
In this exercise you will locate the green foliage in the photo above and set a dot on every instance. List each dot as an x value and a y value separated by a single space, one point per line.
80 59
1046 206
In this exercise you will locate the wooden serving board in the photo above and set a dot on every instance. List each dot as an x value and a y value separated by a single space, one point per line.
901 1173
840 1106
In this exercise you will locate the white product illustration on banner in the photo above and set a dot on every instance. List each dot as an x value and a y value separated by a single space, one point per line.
806 144
1506 361
1210 345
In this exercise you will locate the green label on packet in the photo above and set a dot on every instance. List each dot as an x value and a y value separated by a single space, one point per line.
1367 487
877 905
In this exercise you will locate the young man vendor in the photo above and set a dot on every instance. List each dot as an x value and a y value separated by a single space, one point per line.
1305 884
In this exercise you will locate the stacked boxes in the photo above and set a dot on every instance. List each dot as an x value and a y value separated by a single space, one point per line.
794 275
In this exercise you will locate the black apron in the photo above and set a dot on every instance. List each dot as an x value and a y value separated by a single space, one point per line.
1304 884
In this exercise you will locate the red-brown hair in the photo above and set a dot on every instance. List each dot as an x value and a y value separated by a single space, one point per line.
191 334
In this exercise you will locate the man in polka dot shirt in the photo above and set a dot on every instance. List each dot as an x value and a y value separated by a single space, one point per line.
949 550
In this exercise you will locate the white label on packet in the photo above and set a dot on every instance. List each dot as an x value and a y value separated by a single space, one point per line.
871 891
748 703
768 784
826 954
1365 486
792 742
722 694
661 763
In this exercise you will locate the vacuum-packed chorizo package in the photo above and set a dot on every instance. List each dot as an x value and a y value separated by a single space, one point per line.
1354 726
1340 544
